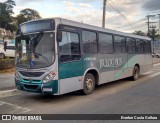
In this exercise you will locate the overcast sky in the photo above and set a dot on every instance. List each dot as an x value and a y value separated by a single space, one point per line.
119 12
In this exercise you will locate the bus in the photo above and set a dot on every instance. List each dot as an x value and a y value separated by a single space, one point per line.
7 49
62 56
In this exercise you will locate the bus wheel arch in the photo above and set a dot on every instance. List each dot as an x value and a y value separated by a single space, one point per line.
91 79
136 72
95 73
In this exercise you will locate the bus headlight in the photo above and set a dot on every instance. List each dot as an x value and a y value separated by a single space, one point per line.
49 77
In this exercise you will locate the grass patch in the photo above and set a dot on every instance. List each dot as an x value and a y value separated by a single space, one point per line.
6 64
10 70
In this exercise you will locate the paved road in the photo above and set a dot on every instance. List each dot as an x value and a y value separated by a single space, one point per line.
7 81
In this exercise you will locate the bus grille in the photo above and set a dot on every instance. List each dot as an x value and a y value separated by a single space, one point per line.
31 74
31 87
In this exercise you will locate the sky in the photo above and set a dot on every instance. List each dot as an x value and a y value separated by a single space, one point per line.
122 15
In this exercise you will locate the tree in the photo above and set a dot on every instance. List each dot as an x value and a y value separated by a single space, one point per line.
139 33
153 33
6 11
27 15
9 6
20 19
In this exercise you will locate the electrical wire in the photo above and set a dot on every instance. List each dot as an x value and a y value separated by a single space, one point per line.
118 11
131 23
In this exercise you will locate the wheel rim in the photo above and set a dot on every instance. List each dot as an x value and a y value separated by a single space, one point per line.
89 84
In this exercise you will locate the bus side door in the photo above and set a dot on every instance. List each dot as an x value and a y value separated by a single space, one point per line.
70 62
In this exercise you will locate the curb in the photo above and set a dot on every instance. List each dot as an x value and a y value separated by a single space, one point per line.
8 93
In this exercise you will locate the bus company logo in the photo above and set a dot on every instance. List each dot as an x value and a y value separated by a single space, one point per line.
115 62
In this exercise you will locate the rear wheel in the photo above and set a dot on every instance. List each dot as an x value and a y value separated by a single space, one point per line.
136 72
89 84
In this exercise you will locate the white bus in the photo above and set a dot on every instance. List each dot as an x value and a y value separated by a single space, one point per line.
7 50
63 56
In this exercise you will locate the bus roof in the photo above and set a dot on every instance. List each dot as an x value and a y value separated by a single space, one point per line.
92 27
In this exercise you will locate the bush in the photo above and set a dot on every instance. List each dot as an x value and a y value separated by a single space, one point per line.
7 63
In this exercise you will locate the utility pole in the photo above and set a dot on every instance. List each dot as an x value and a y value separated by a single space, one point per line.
104 13
148 17
159 25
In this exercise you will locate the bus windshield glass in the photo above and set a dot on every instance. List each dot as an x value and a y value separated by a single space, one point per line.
35 50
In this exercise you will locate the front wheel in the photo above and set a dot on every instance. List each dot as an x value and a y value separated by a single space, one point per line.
136 72
89 84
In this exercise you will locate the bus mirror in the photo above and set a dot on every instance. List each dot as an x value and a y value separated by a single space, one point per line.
59 36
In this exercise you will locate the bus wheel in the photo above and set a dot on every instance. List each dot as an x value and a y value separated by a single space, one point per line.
89 84
135 75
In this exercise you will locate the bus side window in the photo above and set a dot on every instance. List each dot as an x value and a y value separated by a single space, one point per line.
139 46
119 44
131 45
147 47
89 40
69 47
105 43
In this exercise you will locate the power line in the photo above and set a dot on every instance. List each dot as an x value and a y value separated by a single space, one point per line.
148 17
115 3
137 27
118 11
131 23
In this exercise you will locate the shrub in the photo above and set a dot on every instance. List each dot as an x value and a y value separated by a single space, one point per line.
7 63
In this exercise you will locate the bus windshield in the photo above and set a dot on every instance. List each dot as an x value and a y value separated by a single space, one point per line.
35 50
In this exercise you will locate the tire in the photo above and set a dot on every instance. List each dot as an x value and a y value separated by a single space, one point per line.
135 74
89 84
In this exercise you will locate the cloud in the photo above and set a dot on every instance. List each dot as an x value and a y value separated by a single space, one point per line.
24 2
84 5
152 5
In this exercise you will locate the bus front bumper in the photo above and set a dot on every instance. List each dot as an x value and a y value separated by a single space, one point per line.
50 88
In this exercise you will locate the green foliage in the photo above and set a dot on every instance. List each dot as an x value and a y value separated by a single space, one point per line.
27 15
20 19
139 33
6 11
30 14
8 22
9 6
7 63
153 33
